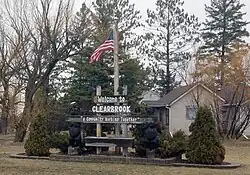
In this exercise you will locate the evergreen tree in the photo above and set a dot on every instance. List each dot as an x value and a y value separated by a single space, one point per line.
38 143
172 32
204 146
136 77
122 12
223 27
86 77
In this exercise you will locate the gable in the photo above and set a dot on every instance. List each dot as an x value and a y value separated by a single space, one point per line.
181 92
198 92
174 94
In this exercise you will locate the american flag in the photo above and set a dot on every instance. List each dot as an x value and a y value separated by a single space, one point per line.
107 45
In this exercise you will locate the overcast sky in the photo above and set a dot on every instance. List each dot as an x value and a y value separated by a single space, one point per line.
195 7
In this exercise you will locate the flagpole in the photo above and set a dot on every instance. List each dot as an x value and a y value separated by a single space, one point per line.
116 61
116 78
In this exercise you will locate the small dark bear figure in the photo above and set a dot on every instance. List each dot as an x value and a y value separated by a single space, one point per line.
75 135
151 135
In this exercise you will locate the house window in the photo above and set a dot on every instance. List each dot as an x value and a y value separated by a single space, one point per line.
191 112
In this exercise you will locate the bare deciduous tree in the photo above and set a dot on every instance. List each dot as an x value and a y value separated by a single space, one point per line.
232 116
9 65
47 37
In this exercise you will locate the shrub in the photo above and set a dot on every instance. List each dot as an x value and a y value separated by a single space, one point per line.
178 144
172 146
139 140
162 151
204 146
38 142
146 137
60 140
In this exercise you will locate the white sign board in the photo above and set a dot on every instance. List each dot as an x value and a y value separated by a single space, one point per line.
111 109
109 119
112 99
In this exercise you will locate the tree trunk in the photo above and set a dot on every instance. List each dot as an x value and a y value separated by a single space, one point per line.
22 125
45 92
222 65
12 113
168 85
20 132
5 110
223 48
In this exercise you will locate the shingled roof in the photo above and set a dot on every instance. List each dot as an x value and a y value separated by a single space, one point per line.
173 95
170 97
225 93
235 95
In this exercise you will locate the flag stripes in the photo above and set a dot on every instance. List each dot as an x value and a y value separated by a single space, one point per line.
107 45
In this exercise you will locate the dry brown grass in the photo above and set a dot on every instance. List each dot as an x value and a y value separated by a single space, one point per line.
237 151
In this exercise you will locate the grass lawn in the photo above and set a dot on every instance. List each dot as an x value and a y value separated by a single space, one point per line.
237 151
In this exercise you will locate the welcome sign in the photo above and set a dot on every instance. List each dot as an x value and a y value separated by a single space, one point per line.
110 105
111 109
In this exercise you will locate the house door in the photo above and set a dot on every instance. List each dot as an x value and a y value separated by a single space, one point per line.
164 119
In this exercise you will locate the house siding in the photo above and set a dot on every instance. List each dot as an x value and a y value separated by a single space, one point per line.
177 111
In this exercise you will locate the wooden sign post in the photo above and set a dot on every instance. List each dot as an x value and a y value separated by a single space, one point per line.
125 126
98 125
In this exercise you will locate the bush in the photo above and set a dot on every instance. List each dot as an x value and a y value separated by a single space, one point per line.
172 146
38 142
139 141
146 137
178 144
204 146
60 141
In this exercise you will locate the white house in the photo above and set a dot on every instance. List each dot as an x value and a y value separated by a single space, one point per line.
177 110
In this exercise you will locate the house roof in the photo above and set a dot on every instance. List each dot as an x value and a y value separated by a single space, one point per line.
154 103
170 97
235 95
226 94
176 93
